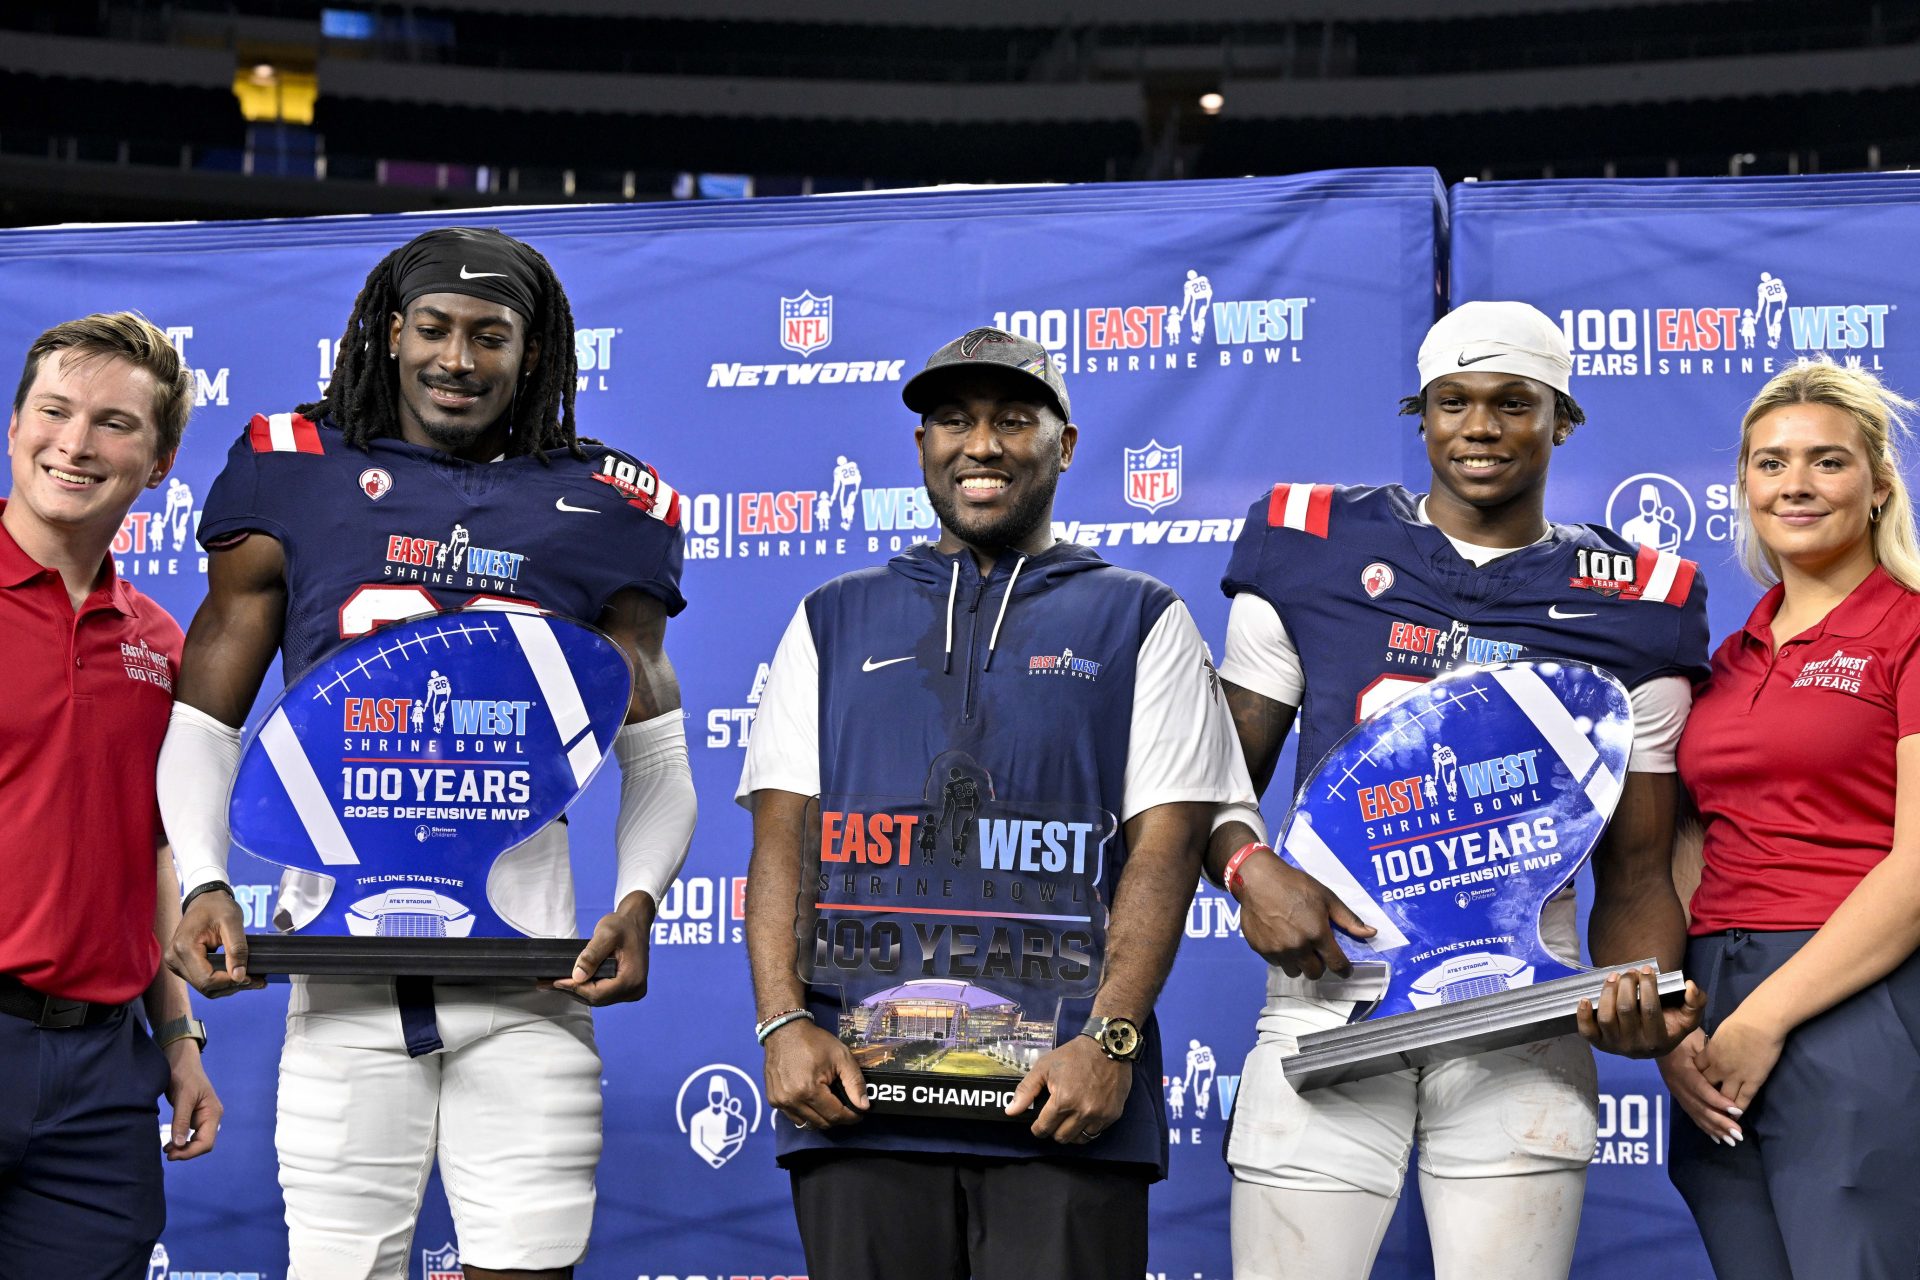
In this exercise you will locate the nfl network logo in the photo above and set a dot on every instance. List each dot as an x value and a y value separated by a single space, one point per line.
806 323
441 1264
1152 476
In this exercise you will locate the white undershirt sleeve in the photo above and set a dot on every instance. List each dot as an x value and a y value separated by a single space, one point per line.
194 777
1660 708
658 807
1261 657
1182 745
783 751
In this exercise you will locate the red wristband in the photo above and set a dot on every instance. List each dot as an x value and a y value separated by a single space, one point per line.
1231 876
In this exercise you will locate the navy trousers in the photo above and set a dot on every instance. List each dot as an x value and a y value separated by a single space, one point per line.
80 1180
1827 1182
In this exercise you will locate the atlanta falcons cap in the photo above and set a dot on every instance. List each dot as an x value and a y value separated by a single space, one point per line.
989 348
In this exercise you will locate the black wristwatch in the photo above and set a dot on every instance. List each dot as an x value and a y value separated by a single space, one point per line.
1118 1038
209 887
186 1027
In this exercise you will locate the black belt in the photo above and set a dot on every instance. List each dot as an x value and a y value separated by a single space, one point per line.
21 1001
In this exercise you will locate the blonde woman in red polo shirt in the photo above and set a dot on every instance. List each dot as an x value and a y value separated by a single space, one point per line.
1803 757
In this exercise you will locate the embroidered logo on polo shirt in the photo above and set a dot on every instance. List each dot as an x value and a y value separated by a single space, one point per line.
1838 672
1063 663
145 664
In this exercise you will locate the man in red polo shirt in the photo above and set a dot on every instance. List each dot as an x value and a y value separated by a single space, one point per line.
90 892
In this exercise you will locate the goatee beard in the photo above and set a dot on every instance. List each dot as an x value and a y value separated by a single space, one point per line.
450 435
1011 528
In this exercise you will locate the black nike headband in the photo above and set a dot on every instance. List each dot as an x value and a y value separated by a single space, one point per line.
474 261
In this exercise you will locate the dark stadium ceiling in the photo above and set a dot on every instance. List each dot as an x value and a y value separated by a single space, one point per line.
1353 97
154 108
1049 13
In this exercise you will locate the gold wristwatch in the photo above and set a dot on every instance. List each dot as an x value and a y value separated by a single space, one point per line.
1118 1038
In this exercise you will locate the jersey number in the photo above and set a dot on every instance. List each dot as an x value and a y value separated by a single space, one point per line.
373 606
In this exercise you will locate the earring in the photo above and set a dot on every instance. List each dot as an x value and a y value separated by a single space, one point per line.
393 355
1873 516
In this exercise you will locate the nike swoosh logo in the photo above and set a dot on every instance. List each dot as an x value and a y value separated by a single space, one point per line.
871 665
1553 611
480 275
1464 362
561 504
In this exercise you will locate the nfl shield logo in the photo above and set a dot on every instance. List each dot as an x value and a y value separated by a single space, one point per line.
441 1264
806 323
1152 475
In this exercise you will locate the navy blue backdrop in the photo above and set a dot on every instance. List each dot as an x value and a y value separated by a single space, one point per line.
1231 334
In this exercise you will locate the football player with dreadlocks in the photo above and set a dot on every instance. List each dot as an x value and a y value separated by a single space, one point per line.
441 469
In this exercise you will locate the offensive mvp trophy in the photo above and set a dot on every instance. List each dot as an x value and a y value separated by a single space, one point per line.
389 776
1446 822
951 939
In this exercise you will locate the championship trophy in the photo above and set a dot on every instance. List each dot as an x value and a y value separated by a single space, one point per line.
388 778
953 938
1446 822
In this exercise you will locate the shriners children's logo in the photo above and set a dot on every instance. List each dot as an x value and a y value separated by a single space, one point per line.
1376 578
718 1107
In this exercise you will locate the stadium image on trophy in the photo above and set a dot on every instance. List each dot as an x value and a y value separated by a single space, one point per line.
1446 821
952 938
389 777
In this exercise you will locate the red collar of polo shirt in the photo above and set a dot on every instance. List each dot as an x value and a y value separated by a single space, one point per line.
1853 617
18 568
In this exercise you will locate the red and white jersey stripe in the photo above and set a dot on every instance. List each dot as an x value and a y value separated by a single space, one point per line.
666 501
283 433
1662 576
1300 506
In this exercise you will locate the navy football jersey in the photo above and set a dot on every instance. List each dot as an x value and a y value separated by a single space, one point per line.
1377 601
400 529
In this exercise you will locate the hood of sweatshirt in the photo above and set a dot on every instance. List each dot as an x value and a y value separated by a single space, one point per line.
956 576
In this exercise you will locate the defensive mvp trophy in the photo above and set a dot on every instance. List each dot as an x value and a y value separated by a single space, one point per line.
1446 822
389 777
951 939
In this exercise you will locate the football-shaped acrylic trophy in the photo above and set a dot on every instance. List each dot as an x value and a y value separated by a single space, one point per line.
392 774
1446 822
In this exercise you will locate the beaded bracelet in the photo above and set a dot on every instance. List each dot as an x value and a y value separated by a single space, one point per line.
762 1030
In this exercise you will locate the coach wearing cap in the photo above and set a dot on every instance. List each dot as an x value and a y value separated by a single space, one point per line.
1070 683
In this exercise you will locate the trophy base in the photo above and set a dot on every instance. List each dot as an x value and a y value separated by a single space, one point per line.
274 954
1427 1036
929 1094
